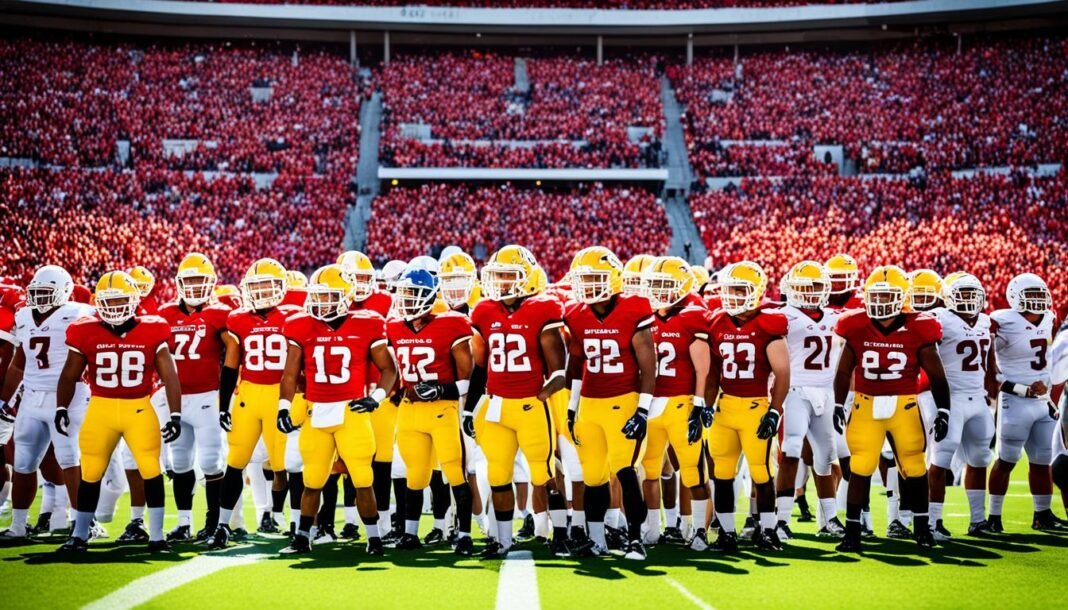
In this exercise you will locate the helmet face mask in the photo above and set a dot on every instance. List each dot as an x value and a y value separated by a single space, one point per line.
843 281
501 282
967 300
1035 300
50 287
806 286
1028 293
195 289
738 297
363 284
416 291
116 307
591 286
456 288
924 298
662 290
883 300
632 283
325 303
264 292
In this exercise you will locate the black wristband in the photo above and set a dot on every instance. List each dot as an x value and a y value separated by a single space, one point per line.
449 391
227 383
476 389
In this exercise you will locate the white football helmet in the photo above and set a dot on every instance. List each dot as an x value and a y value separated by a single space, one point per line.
1028 293
50 287
964 294
389 274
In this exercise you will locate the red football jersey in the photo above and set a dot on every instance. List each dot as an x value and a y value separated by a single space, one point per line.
295 297
426 354
605 344
149 306
887 359
198 348
693 300
674 334
740 349
120 366
516 367
714 303
855 302
336 361
263 346
378 302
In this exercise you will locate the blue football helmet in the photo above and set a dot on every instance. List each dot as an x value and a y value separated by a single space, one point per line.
416 291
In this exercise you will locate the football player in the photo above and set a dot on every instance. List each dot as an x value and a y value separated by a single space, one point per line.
809 407
612 371
844 274
146 286
120 353
967 354
632 273
261 357
41 335
296 288
434 356
747 349
678 414
885 349
1023 334
198 330
332 348
517 341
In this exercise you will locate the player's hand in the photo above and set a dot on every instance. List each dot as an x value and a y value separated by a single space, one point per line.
695 425
769 425
225 422
7 413
172 429
839 418
636 426
363 405
468 424
62 420
1038 388
1053 411
428 391
941 424
285 424
571 427
708 412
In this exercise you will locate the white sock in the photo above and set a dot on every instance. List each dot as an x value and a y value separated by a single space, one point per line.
522 513
351 514
224 515
828 510
440 524
752 507
155 523
48 497
652 521
597 533
726 521
611 518
81 525
137 512
842 496
671 516
558 517
906 517
784 507
279 517
865 518
893 504
767 521
578 518
411 527
372 530
5 493
976 504
260 488
19 518
541 524
61 504
996 502
700 509
1041 502
936 511
504 533
185 517
386 516
237 518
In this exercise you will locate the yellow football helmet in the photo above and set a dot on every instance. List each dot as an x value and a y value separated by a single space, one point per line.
925 289
360 273
632 272
509 274
116 297
329 290
539 281
458 277
596 275
843 272
143 279
742 286
886 292
701 278
667 282
195 280
963 293
806 285
296 280
265 284
228 293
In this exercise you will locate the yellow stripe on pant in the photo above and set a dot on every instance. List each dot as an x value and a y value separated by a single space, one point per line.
427 433
524 424
353 441
672 427
602 448
109 419
865 436
254 413
734 433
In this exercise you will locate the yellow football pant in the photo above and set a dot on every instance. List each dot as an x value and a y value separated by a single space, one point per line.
429 432
672 427
734 432
558 406
602 448
109 419
384 423
525 423
353 441
865 436
256 413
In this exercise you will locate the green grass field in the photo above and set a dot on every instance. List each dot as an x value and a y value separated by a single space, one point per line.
1020 569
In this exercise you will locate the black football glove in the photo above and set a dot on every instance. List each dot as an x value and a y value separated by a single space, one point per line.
7 413
769 425
708 415
225 422
363 405
428 391
571 427
62 420
468 424
285 424
941 424
839 418
636 426
172 429
695 425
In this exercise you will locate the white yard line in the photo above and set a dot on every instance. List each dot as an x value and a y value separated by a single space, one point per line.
697 601
517 586
147 587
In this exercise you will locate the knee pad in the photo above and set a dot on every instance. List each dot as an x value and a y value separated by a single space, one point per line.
1010 450
792 445
1060 471
864 464
361 475
693 476
912 465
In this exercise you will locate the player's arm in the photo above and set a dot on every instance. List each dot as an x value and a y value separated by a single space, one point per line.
228 375
7 354
991 379
931 363
383 360
575 362
645 354
287 388
555 353
779 359
68 383
843 380
168 374
478 372
715 367
11 382
701 415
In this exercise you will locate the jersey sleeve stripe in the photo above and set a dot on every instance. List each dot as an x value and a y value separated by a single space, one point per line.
645 322
6 336
460 340
379 342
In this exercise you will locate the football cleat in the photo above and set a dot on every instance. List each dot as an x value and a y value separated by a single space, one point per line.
74 545
979 528
465 546
391 538
267 525
783 531
493 550
220 538
375 546
749 527
635 551
726 542
615 538
239 535
325 535
897 531
97 531
204 534
350 532
579 544
159 546
435 537
13 536
409 542
1045 521
767 540
44 525
135 533
299 546
699 542
558 547
806 512
941 534
850 544
925 539
994 525
833 529
527 531
182 533
672 535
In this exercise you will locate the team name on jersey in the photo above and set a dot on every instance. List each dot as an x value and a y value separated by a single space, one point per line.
736 336
670 334
602 331
265 330
883 344
414 341
190 328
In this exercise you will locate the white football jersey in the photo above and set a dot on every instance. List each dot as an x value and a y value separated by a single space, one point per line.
45 346
1022 348
963 350
1059 357
814 350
